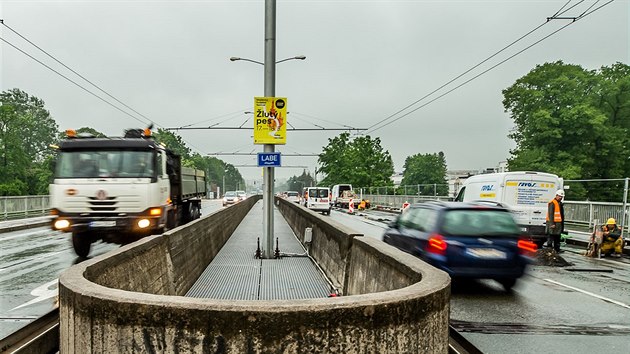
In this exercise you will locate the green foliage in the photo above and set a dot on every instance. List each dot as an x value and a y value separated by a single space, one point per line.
214 168
427 170
26 132
572 122
361 162
172 141
90 131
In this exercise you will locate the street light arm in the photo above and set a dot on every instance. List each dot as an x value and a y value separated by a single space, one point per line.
245 59
299 57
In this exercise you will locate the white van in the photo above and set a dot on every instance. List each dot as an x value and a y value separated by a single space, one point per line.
317 199
526 194
338 199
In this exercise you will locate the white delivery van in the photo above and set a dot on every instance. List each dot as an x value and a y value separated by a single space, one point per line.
318 199
526 194
338 199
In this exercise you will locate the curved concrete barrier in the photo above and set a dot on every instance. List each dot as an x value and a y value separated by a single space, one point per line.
129 302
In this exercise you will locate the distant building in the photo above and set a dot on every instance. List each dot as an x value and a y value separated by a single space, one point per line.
396 178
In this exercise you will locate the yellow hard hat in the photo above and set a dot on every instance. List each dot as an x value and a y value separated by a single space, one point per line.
611 221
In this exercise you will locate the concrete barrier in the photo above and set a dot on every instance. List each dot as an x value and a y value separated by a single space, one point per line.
106 307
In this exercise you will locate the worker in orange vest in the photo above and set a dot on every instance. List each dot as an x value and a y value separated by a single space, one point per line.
555 220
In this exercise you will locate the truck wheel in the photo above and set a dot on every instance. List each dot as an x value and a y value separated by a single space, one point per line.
81 242
196 211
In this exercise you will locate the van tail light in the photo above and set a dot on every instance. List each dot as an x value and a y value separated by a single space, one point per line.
525 246
436 244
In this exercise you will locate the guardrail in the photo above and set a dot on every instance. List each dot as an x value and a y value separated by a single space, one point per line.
24 206
575 212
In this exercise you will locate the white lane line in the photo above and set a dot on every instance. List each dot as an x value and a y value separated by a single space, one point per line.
590 294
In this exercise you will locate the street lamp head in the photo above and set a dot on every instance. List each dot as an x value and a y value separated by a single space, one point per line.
234 58
300 57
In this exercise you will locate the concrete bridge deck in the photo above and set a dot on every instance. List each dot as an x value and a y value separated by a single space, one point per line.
235 273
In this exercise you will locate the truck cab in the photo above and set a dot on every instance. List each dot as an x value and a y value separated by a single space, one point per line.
118 190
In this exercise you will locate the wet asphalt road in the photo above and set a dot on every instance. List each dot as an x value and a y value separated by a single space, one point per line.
550 310
31 261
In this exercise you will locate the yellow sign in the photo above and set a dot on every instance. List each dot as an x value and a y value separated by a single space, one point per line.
270 120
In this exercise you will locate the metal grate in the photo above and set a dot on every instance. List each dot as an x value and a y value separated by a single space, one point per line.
235 274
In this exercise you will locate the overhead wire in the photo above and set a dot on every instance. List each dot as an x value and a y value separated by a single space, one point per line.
72 81
214 118
458 76
148 120
489 69
76 73
375 127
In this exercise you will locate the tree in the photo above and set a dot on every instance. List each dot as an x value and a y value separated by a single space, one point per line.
296 183
173 142
26 133
361 162
427 170
572 122
90 131
215 169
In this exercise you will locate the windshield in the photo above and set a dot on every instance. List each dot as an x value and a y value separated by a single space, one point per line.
479 222
103 164
292 194
230 194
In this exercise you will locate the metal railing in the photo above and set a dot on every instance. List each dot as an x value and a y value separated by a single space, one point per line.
24 206
575 212
587 212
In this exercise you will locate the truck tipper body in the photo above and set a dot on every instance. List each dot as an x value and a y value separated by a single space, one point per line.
121 189
341 195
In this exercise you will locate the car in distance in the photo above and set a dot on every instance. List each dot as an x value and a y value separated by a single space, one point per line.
466 240
293 196
241 195
230 198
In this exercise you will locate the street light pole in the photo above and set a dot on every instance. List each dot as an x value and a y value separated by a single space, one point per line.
270 91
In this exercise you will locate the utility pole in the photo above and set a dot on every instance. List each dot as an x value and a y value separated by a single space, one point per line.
270 91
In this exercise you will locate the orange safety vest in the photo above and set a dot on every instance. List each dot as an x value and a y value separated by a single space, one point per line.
557 217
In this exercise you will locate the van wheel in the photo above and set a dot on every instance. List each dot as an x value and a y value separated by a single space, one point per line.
81 242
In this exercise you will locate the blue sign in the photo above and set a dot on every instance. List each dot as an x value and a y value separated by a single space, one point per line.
268 159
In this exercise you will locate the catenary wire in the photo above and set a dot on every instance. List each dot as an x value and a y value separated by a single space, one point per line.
371 129
72 81
467 71
76 73
82 77
478 75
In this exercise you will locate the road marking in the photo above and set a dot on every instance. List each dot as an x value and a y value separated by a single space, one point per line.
590 294
33 259
42 292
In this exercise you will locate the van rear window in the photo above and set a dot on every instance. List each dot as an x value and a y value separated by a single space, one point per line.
318 193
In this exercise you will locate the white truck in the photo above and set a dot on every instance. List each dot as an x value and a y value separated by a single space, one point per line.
526 194
121 189
341 195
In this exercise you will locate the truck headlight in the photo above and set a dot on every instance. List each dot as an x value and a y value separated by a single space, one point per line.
142 223
62 224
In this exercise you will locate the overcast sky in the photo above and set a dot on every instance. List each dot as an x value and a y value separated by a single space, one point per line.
366 60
